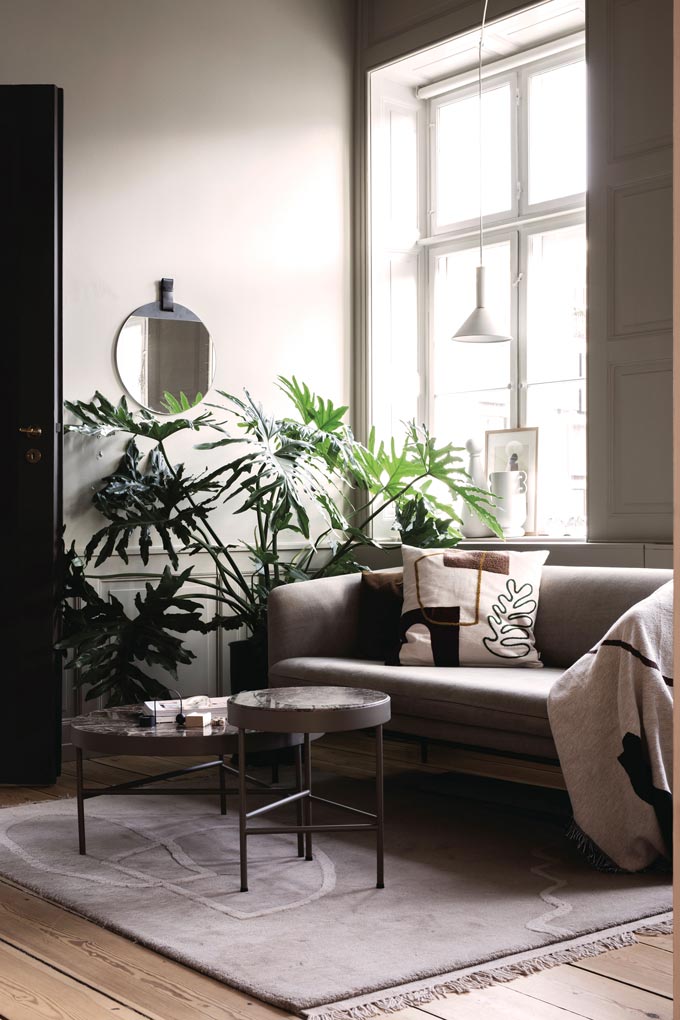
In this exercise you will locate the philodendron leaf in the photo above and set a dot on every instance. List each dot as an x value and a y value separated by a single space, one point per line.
138 502
110 649
99 417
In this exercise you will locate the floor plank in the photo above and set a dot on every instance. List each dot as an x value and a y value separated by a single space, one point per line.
593 996
137 977
499 1002
13 796
658 941
642 966
101 772
31 990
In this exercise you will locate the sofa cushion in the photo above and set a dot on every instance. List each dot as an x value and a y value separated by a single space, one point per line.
380 602
500 698
470 608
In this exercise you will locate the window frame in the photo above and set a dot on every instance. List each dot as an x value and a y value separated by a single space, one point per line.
524 72
523 220
434 105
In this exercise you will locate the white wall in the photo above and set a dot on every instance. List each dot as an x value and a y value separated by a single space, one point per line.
207 140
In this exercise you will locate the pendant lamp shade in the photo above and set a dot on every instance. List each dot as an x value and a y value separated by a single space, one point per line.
479 327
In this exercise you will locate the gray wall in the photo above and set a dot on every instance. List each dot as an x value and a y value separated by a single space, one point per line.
208 140
630 209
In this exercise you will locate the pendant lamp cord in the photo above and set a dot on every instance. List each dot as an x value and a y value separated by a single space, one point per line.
481 144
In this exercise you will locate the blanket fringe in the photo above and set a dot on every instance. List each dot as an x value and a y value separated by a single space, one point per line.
489 976
591 851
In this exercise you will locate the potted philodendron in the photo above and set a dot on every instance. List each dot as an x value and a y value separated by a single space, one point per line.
303 477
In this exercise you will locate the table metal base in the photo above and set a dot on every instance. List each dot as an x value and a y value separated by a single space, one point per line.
134 787
303 798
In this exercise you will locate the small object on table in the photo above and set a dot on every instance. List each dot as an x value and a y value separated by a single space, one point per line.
197 720
308 710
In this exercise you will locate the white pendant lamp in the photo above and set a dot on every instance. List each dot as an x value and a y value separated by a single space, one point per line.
479 327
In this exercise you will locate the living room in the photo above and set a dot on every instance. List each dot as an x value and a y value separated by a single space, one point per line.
236 150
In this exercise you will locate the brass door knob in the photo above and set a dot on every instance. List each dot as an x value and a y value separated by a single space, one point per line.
32 431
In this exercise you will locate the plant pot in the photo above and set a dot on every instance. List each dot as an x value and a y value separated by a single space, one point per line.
248 665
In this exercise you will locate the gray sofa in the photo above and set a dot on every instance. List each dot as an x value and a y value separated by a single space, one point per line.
313 640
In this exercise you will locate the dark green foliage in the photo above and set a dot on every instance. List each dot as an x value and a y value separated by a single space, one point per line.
100 417
143 501
291 476
111 648
418 525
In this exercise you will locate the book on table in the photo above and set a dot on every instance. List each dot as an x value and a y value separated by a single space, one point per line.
166 710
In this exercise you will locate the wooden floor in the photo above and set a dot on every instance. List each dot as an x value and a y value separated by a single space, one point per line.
56 966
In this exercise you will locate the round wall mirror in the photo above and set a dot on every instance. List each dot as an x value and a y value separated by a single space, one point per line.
161 352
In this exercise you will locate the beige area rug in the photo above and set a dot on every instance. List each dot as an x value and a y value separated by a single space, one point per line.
481 886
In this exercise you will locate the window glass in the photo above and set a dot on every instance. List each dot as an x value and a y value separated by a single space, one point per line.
556 304
557 132
558 409
462 416
463 366
457 171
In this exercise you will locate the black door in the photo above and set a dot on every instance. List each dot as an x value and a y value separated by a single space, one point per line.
30 330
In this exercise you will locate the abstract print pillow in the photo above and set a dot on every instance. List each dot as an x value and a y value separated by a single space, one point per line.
465 608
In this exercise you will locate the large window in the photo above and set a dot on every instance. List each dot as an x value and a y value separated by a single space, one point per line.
533 196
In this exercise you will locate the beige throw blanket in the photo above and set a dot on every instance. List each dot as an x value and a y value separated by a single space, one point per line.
611 716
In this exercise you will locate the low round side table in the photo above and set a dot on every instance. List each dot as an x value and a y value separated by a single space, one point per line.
117 731
309 710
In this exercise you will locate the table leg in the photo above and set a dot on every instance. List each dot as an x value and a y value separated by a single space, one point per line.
380 807
223 787
308 801
80 801
242 821
298 787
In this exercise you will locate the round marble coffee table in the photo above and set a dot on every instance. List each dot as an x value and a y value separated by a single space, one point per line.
117 731
288 710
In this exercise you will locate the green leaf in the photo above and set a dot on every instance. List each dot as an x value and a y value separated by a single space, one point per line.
99 417
139 502
110 648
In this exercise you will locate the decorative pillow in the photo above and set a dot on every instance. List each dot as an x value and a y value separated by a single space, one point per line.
469 608
380 601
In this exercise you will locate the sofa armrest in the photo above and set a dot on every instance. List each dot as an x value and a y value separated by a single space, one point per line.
313 618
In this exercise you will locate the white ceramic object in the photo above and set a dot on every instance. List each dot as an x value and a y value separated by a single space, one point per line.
472 527
511 508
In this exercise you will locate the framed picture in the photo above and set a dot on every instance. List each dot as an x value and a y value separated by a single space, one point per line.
507 449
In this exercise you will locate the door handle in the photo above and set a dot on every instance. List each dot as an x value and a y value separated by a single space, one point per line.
31 431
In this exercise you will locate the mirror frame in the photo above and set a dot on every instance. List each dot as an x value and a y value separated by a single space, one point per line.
154 310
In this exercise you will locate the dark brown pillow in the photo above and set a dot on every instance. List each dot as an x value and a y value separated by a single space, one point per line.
380 605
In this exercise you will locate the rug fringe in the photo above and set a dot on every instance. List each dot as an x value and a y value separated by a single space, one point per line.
663 928
488 976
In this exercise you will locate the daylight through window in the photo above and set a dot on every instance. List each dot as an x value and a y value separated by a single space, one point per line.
424 208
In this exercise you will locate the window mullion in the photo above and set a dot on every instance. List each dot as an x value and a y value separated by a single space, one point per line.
523 141
522 289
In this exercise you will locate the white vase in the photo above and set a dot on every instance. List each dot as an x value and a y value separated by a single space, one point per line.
471 525
510 488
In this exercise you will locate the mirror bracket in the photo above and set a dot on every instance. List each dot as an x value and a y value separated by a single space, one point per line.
167 295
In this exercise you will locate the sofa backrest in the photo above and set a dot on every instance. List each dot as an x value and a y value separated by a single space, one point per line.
577 605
